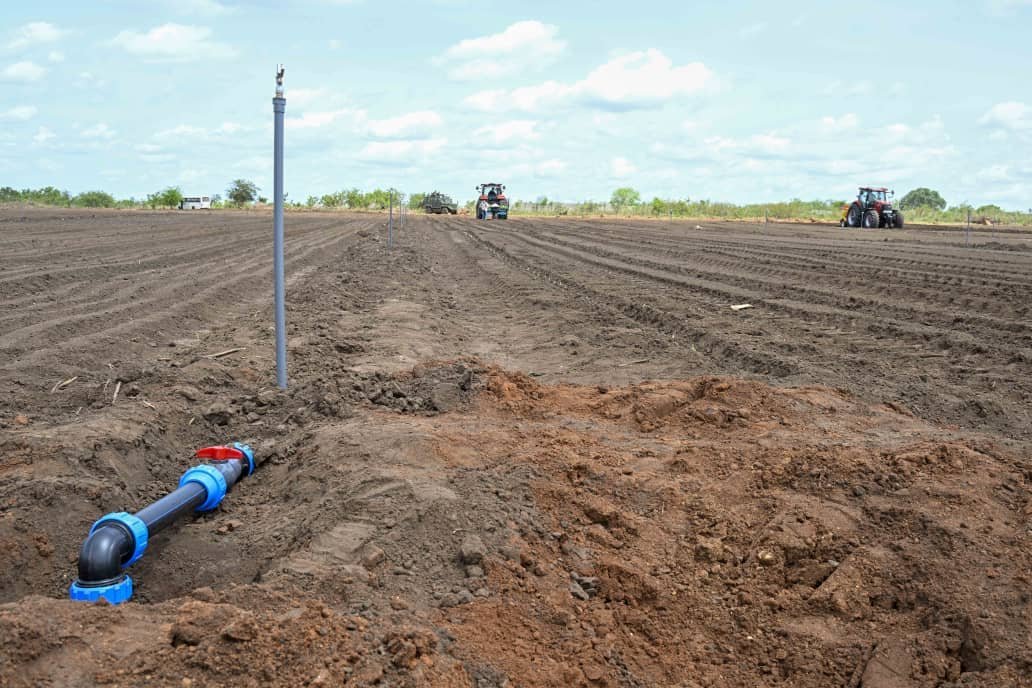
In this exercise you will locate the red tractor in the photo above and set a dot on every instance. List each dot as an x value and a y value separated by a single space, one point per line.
492 203
871 209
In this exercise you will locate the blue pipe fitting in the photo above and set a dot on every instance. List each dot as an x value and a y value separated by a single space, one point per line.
137 528
116 593
211 480
249 453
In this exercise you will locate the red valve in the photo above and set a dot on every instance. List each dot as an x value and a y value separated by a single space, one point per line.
220 453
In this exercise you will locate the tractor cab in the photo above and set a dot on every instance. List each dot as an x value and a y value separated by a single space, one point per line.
871 197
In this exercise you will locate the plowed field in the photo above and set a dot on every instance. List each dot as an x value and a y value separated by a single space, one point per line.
539 452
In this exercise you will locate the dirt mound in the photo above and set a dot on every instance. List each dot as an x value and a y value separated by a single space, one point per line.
708 530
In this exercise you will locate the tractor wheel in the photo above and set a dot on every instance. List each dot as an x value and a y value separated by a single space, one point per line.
871 219
854 216
898 224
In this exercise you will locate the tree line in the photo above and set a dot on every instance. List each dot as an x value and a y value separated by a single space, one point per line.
239 193
921 204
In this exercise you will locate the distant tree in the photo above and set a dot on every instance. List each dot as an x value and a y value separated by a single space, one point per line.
658 206
354 198
625 197
923 198
312 201
415 201
242 191
990 210
263 200
166 198
377 198
333 200
171 197
94 199
48 195
9 195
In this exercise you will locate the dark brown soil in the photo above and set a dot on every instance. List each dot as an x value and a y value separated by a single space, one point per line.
523 453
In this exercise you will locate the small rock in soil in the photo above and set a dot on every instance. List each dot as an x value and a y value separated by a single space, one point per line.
472 550
577 591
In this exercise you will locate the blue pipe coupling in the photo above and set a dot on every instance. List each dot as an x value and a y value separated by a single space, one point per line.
116 593
213 482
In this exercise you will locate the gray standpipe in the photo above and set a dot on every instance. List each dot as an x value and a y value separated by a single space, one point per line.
279 107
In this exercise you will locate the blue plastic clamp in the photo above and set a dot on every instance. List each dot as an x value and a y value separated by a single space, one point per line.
137 528
116 593
211 479
249 453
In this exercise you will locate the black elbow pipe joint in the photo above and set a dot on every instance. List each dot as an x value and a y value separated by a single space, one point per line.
117 540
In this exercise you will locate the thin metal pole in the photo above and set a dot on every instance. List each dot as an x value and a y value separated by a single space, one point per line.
390 219
279 107
967 230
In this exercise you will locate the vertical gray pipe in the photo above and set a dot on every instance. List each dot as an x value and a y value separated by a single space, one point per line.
279 107
390 219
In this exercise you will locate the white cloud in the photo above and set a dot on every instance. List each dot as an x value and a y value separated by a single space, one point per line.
839 125
173 43
23 71
55 56
98 131
526 98
35 33
758 144
994 174
43 135
303 97
520 47
412 125
1006 7
643 79
1010 115
152 152
187 131
206 8
314 120
549 168
87 80
640 79
852 88
622 167
400 150
20 112
514 130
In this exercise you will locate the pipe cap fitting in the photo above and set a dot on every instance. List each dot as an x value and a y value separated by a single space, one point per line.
116 593
136 527
211 479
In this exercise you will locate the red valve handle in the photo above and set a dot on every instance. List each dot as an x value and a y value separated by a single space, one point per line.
220 453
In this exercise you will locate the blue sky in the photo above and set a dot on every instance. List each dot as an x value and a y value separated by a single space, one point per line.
734 100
